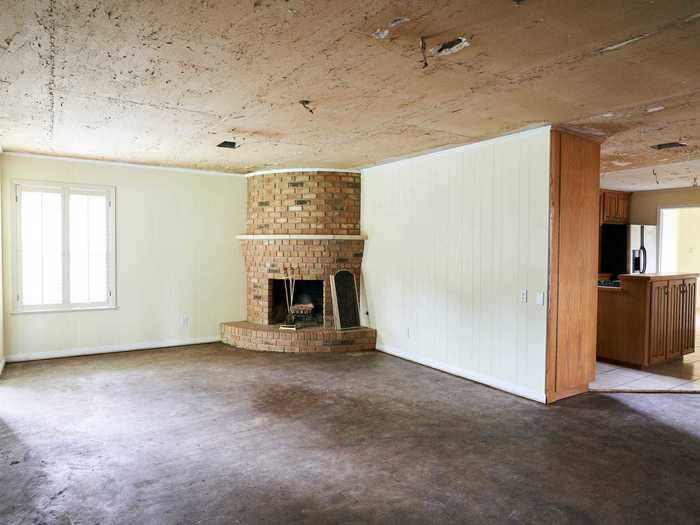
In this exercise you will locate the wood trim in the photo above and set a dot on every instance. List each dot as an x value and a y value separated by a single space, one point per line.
553 310
574 232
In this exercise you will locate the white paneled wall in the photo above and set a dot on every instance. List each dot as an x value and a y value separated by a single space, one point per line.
453 237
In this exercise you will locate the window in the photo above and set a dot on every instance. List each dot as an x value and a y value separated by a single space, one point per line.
64 247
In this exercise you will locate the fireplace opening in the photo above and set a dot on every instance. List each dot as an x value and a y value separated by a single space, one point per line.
306 291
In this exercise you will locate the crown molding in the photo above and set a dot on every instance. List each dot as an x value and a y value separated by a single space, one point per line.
191 171
297 170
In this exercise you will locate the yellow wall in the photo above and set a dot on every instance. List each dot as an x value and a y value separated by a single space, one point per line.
644 205
176 255
689 240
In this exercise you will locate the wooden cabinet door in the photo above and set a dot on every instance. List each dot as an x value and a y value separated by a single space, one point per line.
623 208
614 207
676 317
658 326
609 206
688 317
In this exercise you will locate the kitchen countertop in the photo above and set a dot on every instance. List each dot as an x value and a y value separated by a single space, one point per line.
662 276
658 276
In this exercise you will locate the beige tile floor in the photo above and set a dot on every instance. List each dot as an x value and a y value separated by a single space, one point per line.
676 376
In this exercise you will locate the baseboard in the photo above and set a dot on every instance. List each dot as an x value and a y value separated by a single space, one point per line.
510 388
108 349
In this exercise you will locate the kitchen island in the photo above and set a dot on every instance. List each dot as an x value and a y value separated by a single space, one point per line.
647 319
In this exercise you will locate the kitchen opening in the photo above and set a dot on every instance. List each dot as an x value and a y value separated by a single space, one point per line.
648 318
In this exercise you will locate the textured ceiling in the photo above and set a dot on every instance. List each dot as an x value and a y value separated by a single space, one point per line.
684 174
342 84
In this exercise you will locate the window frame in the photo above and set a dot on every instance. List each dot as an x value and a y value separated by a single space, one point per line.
65 190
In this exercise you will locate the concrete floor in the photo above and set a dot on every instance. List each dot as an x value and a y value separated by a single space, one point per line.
207 434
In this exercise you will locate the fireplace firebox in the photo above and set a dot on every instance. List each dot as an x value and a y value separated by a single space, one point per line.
306 291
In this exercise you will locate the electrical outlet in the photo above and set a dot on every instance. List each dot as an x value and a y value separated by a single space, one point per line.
523 296
184 321
408 332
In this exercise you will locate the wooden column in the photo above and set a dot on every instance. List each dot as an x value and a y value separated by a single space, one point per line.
573 293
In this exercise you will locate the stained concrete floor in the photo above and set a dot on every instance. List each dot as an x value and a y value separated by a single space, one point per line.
207 434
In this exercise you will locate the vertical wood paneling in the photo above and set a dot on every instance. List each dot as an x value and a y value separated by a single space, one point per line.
452 238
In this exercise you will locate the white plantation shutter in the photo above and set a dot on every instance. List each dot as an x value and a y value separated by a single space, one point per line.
41 246
88 234
65 247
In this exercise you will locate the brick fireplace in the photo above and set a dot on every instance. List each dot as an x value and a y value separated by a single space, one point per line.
306 224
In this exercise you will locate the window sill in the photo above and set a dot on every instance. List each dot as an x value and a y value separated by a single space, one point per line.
64 310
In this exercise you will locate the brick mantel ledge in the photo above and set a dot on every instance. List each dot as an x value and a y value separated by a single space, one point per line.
302 237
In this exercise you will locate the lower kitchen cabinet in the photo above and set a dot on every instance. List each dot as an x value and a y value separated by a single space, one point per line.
649 319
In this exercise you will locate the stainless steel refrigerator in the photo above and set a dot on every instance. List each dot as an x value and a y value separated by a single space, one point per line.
642 250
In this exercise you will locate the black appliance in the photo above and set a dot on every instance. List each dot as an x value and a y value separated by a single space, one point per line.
613 249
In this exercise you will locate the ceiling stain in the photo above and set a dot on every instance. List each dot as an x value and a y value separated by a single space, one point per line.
316 83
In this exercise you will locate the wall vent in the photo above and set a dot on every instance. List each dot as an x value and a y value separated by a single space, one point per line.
228 144
669 145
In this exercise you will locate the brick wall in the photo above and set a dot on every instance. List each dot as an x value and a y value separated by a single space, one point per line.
300 203
304 203
310 259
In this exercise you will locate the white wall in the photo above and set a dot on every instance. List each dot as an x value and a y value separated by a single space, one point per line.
452 239
176 254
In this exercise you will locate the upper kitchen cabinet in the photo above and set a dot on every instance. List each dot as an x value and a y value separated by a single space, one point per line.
614 207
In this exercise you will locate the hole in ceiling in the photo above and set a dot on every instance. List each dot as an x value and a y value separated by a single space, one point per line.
450 47
398 21
307 105
385 32
228 144
669 145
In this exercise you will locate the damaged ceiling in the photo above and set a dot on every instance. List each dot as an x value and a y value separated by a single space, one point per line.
665 176
343 84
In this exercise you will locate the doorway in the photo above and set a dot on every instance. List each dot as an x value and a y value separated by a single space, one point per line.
679 253
679 243
679 247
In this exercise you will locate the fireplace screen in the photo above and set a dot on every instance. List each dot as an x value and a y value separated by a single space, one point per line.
306 292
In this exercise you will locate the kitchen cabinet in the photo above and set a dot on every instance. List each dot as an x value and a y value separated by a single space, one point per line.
614 207
649 319
690 305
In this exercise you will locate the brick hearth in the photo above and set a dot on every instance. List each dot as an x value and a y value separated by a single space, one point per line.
309 222
252 336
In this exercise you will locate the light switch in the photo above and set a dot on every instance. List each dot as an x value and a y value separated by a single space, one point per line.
540 298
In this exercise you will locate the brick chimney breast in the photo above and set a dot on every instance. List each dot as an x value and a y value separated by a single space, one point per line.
309 222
